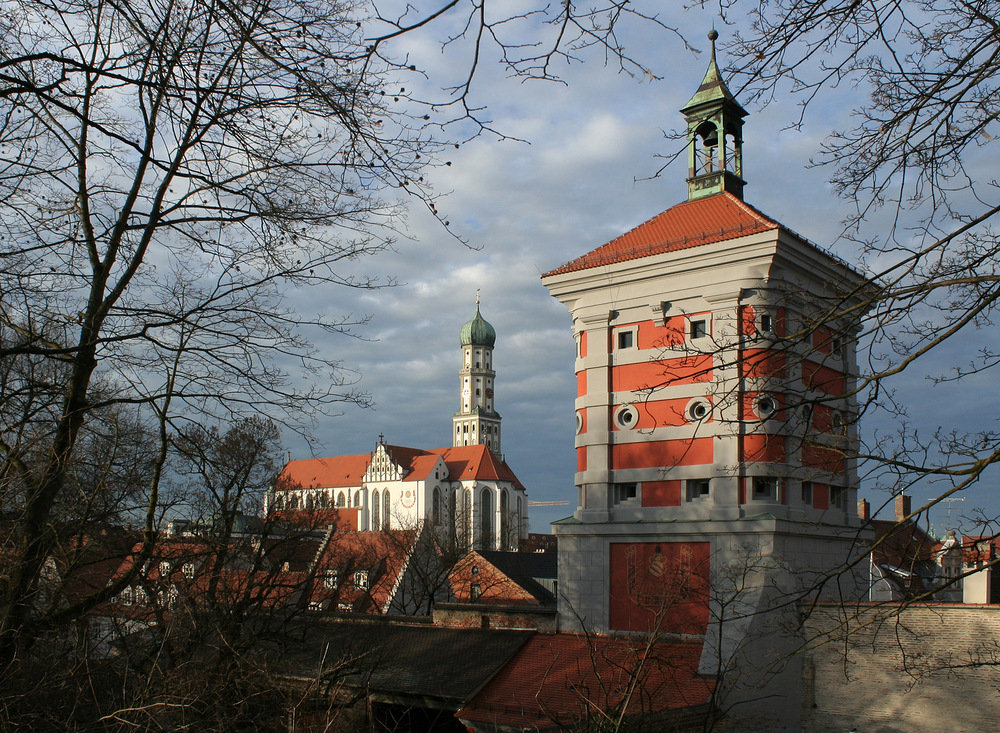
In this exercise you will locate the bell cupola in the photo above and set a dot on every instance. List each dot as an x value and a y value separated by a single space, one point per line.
714 136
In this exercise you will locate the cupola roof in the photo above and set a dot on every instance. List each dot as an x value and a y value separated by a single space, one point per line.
713 89
478 332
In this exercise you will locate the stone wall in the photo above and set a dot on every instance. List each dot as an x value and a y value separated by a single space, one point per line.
885 670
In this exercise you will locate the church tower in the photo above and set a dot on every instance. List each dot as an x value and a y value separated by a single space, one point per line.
477 422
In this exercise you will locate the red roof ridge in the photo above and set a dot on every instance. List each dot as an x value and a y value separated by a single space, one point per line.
679 227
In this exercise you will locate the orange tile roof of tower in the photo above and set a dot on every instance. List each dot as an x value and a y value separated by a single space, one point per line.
689 224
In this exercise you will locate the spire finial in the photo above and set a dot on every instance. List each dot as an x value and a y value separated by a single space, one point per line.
477 297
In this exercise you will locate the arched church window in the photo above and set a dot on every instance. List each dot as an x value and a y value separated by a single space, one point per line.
385 509
504 520
467 518
375 508
517 518
485 520
341 500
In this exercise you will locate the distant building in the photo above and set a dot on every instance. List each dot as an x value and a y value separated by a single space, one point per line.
466 492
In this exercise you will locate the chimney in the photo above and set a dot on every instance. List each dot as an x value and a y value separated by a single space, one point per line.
902 507
864 510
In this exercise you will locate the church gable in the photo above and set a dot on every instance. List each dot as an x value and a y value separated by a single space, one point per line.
383 466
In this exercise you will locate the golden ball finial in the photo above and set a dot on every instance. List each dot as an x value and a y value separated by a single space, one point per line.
713 35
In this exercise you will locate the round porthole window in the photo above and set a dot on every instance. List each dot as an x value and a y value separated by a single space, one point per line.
698 409
766 406
626 417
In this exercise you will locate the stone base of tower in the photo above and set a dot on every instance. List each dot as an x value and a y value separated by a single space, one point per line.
740 585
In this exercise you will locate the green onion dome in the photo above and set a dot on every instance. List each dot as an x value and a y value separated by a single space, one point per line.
478 332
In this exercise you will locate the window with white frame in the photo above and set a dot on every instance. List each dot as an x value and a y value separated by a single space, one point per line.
807 493
698 409
626 417
626 339
361 580
188 570
624 492
697 488
330 578
765 488
766 323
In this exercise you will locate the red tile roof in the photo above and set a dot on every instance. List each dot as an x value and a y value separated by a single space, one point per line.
324 473
561 679
463 463
383 555
476 462
690 224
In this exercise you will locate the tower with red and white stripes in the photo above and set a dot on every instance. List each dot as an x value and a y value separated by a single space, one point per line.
715 410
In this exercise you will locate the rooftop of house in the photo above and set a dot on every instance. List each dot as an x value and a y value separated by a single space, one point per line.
562 678
688 224
395 660
504 578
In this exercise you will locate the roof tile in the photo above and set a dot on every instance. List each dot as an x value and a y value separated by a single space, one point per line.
689 224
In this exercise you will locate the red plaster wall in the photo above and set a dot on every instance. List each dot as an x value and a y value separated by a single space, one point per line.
822 457
764 448
661 493
763 364
663 453
822 378
659 586
645 375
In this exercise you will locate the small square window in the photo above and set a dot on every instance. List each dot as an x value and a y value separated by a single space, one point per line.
838 497
188 570
765 488
330 578
766 323
361 580
475 592
625 492
698 489
625 339
807 492
699 329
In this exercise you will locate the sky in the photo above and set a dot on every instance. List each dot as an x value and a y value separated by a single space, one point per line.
576 170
